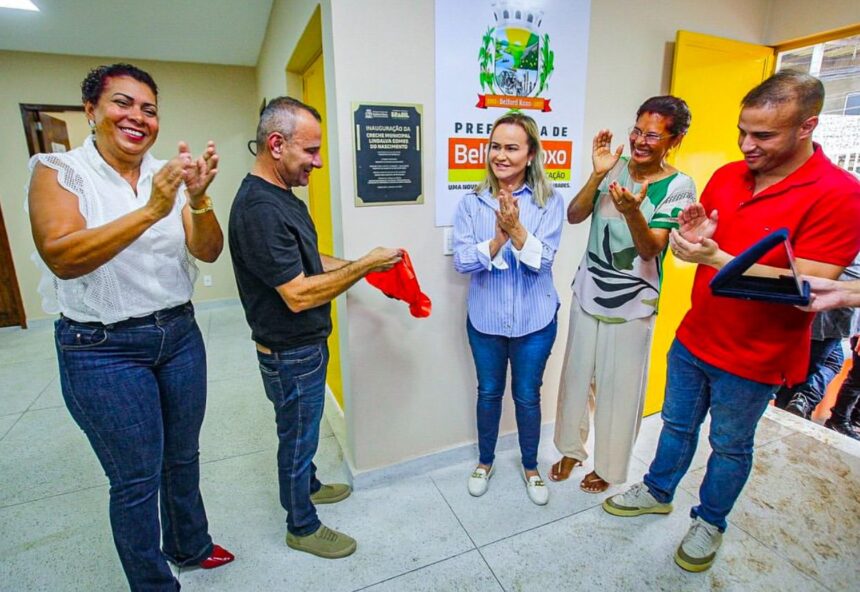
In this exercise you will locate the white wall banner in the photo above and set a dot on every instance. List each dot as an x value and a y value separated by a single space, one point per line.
496 55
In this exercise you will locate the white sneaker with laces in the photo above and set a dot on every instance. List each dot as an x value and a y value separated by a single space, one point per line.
479 481
699 548
634 502
537 489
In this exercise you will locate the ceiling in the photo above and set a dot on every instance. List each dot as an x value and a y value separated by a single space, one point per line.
203 31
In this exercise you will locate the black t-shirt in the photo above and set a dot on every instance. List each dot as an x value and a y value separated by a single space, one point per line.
273 240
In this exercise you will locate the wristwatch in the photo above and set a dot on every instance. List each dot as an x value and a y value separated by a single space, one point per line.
207 206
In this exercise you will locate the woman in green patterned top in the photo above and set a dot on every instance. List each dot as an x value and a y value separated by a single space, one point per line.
633 204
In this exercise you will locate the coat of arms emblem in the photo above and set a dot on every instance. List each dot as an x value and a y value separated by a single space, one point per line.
515 60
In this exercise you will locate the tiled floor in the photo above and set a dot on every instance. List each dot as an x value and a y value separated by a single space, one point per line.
796 527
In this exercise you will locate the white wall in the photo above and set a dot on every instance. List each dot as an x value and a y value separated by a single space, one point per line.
793 19
196 103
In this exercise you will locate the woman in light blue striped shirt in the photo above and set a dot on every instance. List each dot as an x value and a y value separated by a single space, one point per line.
506 234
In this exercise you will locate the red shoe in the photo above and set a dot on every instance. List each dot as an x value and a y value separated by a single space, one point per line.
219 556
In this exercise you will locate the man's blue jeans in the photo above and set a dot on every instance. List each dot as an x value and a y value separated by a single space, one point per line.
736 405
528 355
294 380
825 362
138 391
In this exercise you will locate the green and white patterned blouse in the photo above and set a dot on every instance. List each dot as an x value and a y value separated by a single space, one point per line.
613 283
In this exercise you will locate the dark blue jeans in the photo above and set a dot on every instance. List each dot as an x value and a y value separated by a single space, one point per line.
736 404
825 362
138 391
528 355
849 393
294 380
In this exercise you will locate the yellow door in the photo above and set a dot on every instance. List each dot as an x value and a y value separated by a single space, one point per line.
713 75
319 197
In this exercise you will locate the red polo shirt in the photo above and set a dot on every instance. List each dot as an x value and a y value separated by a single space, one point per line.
819 203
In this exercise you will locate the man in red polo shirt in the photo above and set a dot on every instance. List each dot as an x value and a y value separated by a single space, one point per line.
730 355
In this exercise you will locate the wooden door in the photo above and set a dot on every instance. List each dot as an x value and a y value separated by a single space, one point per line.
53 134
11 306
713 75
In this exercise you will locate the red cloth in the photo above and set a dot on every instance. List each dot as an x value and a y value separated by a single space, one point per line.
820 205
400 282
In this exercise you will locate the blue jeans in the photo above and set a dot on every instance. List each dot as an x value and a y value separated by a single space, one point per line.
846 405
294 380
528 355
736 405
825 362
138 391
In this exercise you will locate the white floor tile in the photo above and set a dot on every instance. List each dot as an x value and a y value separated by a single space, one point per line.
507 497
239 419
51 396
399 528
6 423
464 573
594 550
60 544
44 454
21 383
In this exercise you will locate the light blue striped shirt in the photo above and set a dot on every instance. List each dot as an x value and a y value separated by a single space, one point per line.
512 295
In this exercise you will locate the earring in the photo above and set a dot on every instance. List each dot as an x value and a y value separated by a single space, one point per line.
529 164
92 125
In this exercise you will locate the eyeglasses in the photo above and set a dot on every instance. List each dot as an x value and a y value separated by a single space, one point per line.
650 138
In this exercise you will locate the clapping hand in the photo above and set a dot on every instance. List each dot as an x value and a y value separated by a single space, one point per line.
624 200
199 173
602 156
695 225
508 216
165 184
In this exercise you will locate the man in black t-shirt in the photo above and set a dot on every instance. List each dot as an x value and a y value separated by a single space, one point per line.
286 287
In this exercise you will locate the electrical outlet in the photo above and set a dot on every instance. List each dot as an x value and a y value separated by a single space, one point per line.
207 281
448 240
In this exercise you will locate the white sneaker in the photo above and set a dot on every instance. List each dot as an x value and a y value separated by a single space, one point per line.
479 482
537 489
699 548
634 502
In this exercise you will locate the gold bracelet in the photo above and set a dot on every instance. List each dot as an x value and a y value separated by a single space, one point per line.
207 207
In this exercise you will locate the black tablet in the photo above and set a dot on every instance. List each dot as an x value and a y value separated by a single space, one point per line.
733 282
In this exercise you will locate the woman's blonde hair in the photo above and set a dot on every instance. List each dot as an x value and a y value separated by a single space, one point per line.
535 176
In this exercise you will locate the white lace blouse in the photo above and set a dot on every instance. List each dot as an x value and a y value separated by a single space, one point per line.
154 272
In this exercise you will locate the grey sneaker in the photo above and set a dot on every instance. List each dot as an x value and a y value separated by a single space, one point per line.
331 494
634 502
325 542
699 548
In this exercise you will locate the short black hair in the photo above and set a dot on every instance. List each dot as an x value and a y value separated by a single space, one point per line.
94 83
280 116
672 107
789 86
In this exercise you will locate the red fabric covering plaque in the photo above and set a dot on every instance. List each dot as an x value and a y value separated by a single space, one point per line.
400 282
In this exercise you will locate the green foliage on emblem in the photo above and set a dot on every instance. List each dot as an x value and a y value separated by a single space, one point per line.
548 59
486 59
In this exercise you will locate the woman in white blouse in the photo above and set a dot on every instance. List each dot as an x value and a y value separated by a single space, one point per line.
116 231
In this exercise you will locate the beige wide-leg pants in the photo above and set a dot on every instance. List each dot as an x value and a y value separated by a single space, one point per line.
605 370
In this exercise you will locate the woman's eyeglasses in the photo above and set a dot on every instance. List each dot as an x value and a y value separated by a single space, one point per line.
650 138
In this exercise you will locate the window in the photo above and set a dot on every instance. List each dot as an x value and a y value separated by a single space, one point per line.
837 64
852 104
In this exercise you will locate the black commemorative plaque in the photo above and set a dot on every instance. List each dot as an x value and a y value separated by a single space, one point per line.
387 140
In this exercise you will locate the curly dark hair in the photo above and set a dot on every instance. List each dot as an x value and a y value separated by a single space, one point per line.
669 106
94 83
